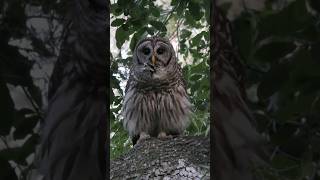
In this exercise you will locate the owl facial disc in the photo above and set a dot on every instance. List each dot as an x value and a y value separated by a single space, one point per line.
149 66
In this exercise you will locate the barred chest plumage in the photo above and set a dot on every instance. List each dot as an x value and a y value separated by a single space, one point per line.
153 110
156 102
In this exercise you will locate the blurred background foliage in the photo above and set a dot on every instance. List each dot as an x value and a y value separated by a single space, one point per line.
29 45
186 24
279 45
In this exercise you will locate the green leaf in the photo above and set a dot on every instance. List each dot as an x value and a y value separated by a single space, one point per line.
189 19
175 2
136 37
115 9
136 23
181 7
195 77
122 3
273 81
195 10
121 36
133 42
158 25
155 12
272 51
196 39
151 30
185 34
244 34
118 22
289 21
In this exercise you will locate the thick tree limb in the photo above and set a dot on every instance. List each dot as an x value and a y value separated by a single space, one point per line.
183 157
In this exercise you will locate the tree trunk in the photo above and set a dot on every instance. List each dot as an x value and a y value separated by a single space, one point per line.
184 157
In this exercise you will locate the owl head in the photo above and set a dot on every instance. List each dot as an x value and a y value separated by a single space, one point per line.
154 59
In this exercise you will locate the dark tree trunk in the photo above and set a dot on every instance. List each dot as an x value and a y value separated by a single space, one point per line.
184 157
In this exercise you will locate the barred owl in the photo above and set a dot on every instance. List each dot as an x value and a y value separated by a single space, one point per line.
156 103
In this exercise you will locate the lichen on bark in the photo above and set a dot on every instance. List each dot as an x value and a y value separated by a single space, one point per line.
182 157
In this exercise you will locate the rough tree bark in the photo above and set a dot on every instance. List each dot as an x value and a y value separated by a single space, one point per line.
184 157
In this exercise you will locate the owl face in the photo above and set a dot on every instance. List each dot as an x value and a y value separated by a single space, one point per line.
154 58
158 53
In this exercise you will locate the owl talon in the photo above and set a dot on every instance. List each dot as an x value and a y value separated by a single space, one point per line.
143 136
163 135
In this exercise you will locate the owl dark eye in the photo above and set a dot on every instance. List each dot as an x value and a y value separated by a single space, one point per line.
160 50
146 51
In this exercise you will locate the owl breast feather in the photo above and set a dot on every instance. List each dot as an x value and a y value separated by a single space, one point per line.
156 110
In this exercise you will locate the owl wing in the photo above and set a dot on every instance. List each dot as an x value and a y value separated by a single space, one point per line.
129 81
183 81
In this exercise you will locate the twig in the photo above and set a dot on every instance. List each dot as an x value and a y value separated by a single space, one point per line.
169 16
34 105
174 33
178 44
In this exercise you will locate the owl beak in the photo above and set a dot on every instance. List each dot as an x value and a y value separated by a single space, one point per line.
153 59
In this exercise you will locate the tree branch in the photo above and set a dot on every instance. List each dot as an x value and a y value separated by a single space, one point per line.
177 158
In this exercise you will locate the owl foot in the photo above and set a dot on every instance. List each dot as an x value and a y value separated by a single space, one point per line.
143 136
163 135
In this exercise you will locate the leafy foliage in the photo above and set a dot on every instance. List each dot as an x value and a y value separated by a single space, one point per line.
24 52
185 22
277 45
